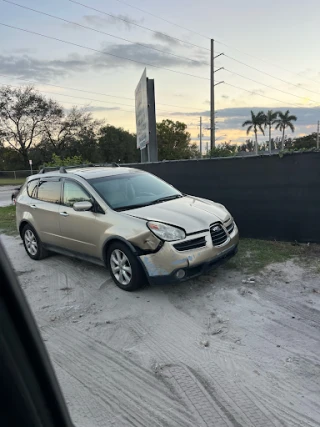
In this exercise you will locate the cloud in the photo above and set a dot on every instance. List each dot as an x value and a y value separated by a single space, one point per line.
103 22
94 108
166 39
139 53
232 118
111 55
26 66
99 21
23 50
225 96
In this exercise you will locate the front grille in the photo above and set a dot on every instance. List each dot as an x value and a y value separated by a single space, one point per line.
191 244
230 227
218 234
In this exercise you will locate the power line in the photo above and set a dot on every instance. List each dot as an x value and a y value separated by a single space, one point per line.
101 51
90 92
263 60
128 21
71 22
102 32
217 41
162 19
270 87
91 99
270 75
169 113
255 93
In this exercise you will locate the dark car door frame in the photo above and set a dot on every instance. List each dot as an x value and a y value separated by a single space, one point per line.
29 391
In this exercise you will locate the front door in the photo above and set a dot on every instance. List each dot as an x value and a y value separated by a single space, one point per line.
80 231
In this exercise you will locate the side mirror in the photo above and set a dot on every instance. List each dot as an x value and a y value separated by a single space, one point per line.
82 206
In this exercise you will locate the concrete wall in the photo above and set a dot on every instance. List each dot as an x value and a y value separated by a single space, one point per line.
270 197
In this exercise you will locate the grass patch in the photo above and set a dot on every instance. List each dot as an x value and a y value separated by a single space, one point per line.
12 181
255 254
8 220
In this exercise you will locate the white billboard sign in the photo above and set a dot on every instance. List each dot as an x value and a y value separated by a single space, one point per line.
142 118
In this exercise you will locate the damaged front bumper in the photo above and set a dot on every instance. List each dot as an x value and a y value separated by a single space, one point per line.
169 265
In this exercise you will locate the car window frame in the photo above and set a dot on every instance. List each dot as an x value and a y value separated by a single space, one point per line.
50 179
96 206
37 186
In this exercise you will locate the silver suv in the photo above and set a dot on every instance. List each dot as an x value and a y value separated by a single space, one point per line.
129 220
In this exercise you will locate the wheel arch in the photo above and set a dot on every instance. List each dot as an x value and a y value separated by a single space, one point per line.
113 239
22 224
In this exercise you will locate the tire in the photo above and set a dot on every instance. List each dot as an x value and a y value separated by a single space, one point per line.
33 244
130 275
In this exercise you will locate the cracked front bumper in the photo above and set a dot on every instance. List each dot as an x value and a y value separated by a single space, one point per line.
161 267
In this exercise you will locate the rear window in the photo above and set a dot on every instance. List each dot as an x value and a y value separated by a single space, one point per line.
49 191
32 188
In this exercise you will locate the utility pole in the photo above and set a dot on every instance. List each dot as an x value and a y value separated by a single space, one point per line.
200 136
212 98
318 131
212 121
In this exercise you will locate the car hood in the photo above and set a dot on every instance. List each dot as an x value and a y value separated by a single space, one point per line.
191 213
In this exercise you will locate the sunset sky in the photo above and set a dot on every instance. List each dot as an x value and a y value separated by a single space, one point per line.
279 38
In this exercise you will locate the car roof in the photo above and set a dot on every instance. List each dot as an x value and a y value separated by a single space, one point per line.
88 172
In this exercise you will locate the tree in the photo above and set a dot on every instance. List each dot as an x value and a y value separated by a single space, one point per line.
255 124
248 147
223 150
117 145
269 120
70 128
67 161
283 122
174 141
308 141
24 113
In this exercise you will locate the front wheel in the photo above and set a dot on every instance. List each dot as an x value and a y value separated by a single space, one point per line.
124 267
33 244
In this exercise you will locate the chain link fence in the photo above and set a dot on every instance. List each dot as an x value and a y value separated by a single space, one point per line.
14 177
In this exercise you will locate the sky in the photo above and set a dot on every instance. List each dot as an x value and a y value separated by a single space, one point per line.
270 58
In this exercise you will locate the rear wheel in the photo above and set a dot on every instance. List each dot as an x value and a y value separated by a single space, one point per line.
33 244
124 267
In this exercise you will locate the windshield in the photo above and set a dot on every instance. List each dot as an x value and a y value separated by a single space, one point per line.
133 190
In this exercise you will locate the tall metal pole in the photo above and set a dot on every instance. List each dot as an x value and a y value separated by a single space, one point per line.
200 136
212 124
318 131
153 145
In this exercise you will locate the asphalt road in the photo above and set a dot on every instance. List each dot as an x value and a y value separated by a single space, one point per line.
5 194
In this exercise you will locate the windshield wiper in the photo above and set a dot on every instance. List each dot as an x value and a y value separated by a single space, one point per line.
127 208
165 199
154 202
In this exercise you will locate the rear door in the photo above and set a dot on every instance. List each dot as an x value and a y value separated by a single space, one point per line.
80 231
44 208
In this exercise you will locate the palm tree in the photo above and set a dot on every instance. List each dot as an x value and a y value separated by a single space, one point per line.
256 124
269 120
284 122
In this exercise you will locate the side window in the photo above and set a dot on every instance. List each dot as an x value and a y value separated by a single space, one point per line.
74 193
32 188
49 191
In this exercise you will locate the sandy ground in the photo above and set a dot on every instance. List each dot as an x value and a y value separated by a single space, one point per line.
209 352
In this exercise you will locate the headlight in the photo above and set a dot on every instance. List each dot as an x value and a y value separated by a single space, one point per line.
166 232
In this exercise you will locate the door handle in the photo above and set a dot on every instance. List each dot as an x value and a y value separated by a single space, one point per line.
33 206
64 214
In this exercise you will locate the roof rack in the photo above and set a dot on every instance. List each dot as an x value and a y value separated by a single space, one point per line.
63 169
